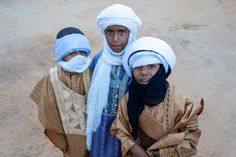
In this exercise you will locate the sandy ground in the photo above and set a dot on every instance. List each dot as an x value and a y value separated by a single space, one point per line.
201 32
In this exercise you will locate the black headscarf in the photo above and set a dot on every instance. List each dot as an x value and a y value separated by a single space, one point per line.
151 95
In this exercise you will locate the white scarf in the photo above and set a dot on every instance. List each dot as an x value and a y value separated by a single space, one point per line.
98 92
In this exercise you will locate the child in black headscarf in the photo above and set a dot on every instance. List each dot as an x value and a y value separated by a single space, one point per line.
153 118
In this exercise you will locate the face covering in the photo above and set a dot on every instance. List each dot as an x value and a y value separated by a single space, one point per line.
151 95
77 64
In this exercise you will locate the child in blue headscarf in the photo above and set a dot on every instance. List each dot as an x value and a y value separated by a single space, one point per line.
61 95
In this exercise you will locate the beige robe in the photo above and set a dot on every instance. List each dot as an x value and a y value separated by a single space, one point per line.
43 95
170 128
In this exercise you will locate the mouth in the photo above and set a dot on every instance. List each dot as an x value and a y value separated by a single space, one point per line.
144 82
116 47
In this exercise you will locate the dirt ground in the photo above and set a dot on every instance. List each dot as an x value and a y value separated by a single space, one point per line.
201 32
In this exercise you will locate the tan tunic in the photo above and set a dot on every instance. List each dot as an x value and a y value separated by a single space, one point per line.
43 94
170 127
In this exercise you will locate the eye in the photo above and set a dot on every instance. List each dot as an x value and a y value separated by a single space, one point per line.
122 32
109 32
83 53
74 53
138 67
150 66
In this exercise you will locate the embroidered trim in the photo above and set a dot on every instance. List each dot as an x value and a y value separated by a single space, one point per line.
70 104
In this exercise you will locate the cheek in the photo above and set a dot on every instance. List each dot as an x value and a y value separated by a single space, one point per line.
124 42
153 72
67 58
136 75
126 39
108 40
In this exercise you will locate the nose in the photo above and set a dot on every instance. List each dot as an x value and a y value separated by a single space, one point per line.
144 70
116 36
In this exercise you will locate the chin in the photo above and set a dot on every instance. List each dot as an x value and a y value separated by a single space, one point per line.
116 51
143 83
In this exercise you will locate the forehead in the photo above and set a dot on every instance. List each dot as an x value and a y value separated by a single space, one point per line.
147 65
116 27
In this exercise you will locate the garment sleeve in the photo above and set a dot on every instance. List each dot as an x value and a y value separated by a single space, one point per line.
185 134
95 60
121 127
48 115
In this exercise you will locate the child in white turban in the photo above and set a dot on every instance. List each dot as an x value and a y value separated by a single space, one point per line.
153 119
119 25
61 95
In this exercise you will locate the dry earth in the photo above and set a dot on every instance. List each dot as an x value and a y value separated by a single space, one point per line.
201 32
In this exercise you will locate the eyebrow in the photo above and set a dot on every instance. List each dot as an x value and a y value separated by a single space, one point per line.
120 29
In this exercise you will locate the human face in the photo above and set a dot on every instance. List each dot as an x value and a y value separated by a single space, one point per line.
73 54
143 74
117 37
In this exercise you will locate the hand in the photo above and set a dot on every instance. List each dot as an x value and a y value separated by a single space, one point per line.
138 151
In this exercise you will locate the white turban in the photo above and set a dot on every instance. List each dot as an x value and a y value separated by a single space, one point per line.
119 14
148 50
